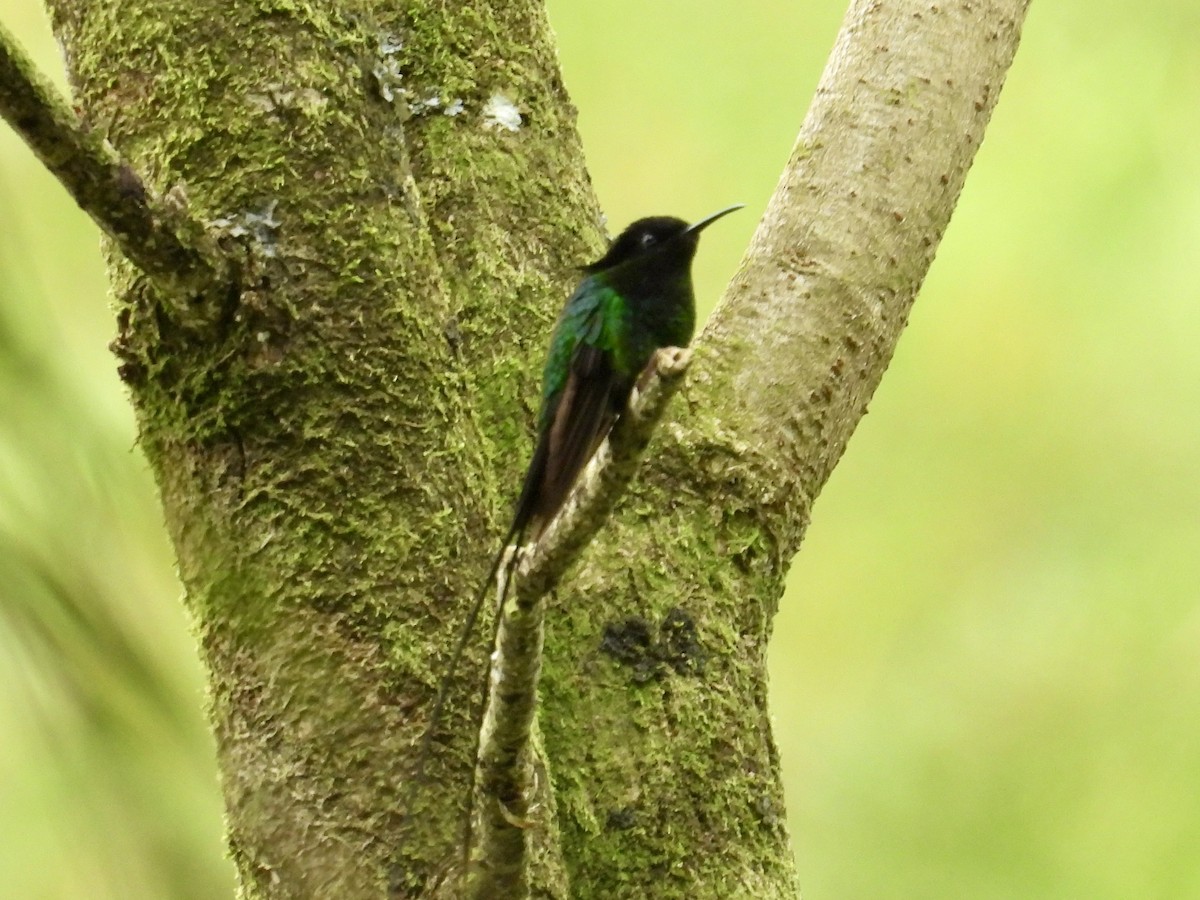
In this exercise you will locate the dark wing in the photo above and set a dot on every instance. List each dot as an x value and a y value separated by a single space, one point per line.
584 413
583 395
582 420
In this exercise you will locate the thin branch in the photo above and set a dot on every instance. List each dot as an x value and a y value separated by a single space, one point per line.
504 776
504 773
606 477
161 241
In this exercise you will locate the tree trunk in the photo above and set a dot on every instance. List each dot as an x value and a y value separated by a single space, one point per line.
337 437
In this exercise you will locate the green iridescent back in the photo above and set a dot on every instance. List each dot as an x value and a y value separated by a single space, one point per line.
595 315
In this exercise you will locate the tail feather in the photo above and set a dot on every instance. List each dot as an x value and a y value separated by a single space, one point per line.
517 532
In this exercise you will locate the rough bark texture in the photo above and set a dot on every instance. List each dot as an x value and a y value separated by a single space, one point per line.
329 463
331 459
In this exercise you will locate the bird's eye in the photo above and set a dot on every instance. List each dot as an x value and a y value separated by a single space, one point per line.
648 240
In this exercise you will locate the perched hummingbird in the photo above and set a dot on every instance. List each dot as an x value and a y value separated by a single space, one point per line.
632 301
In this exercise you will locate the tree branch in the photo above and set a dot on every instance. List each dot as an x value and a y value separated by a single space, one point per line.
160 240
656 699
852 228
504 780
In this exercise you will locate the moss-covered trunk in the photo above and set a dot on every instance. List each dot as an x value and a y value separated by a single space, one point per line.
329 453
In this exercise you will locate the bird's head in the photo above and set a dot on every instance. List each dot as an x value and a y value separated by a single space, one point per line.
655 236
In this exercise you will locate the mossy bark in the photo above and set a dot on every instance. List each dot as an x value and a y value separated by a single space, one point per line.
331 454
336 447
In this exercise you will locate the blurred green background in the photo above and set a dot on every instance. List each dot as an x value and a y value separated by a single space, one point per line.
986 673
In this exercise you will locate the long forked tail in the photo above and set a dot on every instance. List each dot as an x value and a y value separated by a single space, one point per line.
517 532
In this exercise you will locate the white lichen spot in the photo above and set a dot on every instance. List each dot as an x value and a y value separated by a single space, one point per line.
264 220
453 108
260 226
500 112
433 101
390 43
263 336
388 77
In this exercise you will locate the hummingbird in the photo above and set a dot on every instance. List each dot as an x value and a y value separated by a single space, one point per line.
632 301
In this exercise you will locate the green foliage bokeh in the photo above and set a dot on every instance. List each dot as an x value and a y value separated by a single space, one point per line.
986 670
